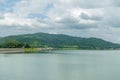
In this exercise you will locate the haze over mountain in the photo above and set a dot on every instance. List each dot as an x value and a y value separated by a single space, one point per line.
60 41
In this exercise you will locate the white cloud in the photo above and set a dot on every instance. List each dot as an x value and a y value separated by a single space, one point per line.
86 18
26 7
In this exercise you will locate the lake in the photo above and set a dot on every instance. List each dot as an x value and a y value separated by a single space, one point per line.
61 65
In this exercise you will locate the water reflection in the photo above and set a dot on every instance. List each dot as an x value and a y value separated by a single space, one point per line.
61 65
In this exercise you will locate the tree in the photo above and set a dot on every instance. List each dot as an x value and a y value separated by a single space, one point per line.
12 44
27 46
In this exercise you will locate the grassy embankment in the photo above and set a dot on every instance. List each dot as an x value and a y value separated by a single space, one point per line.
31 50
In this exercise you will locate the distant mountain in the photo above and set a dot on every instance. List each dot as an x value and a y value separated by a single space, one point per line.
61 41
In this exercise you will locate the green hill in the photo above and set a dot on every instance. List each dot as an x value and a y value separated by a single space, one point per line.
60 41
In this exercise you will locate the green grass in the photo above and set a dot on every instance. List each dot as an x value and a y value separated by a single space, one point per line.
30 50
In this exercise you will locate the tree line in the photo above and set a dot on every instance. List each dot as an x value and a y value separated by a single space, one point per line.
13 44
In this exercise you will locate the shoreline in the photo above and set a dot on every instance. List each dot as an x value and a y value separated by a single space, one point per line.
21 50
32 50
11 50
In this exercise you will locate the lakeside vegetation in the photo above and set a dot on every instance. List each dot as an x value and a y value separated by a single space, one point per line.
57 41
13 44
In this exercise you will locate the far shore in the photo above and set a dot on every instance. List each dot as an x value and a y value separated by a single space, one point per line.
11 50
21 50
34 50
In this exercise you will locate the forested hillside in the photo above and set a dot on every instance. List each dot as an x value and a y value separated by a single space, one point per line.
57 41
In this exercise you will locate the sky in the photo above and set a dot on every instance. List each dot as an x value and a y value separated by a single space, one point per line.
82 18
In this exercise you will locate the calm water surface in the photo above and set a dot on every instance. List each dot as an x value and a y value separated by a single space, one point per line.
61 65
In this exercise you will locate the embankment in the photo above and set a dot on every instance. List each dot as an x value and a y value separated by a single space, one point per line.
11 50
22 50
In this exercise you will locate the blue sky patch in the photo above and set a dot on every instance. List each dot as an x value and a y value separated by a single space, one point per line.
35 15
7 6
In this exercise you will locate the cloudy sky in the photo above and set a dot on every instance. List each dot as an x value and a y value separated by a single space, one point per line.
83 18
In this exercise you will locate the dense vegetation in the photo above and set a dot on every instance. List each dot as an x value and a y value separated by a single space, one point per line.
13 44
55 41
